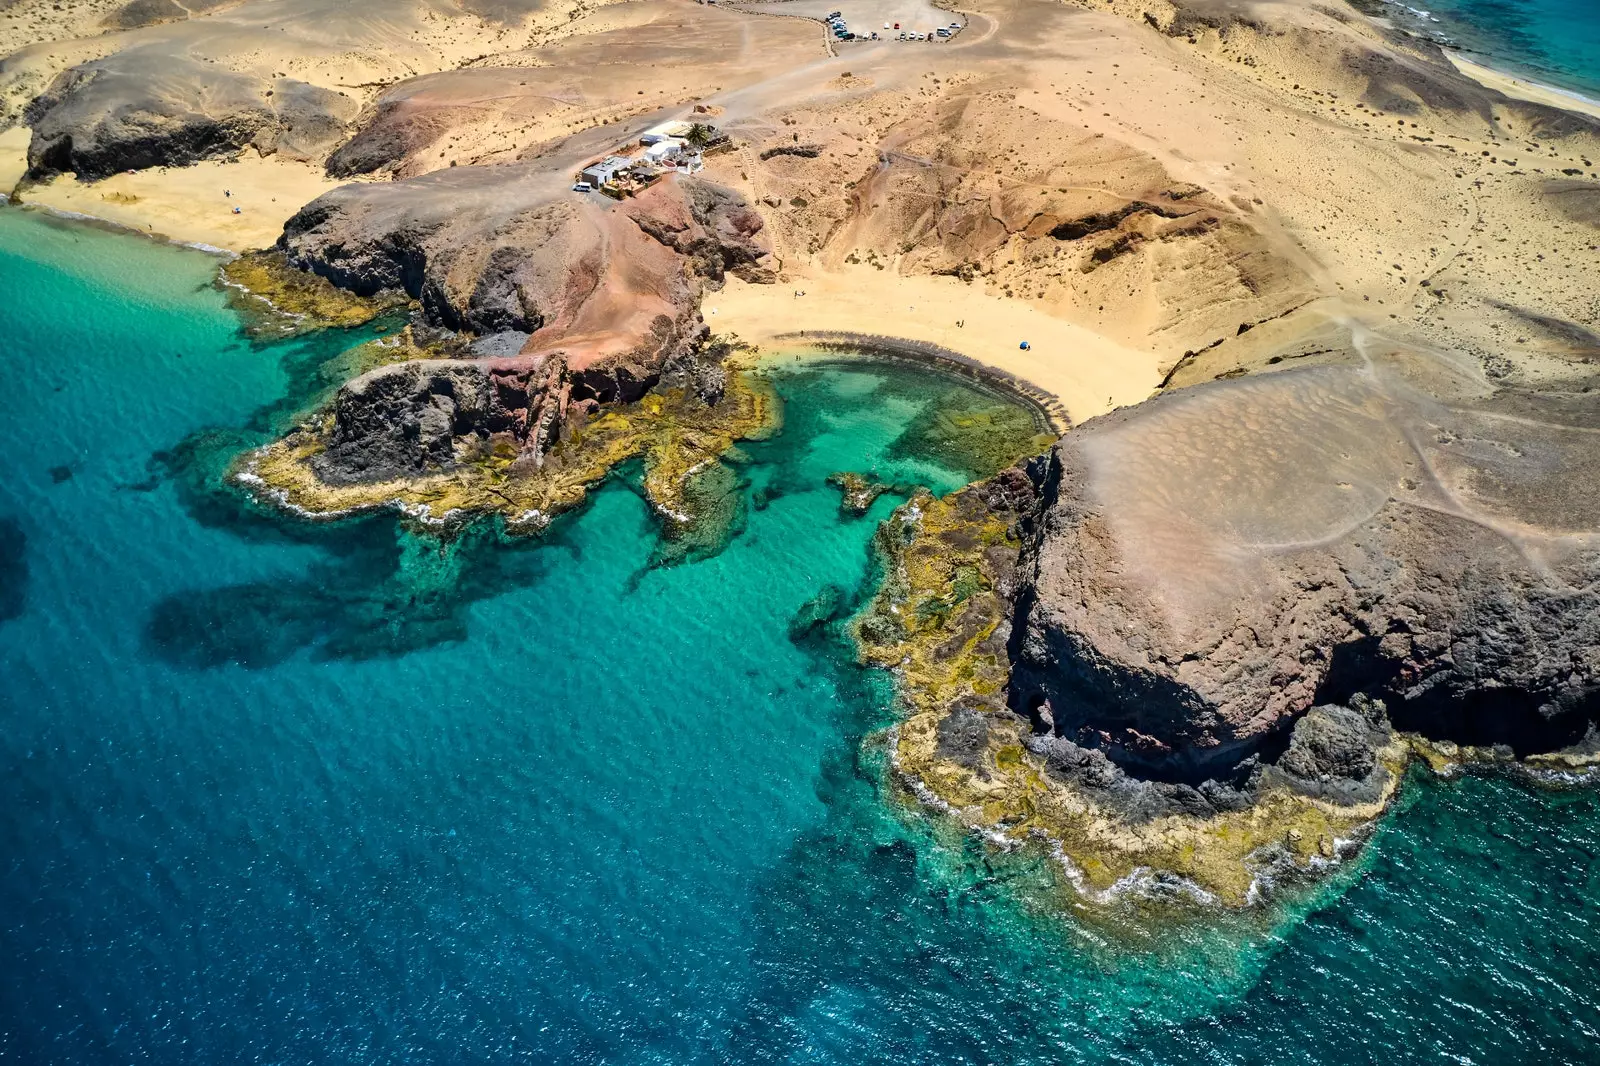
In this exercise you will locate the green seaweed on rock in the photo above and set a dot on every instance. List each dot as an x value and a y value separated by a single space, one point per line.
679 436
940 621
277 300
986 434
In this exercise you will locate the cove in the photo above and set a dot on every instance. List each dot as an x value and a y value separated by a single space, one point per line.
283 792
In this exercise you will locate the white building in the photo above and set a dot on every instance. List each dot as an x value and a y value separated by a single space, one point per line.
667 148
598 174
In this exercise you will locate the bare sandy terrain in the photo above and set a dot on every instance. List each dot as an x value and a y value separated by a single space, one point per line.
1145 193
13 157
886 18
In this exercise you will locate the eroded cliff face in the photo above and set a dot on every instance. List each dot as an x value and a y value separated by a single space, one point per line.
1214 563
145 107
506 249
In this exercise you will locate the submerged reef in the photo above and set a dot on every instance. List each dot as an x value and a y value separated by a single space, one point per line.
857 492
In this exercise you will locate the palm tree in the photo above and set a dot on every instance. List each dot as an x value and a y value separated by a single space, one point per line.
700 134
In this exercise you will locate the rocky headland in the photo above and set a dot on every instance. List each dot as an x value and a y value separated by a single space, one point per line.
1193 647
589 348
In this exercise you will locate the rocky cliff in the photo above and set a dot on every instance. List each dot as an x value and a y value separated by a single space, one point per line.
144 107
581 305
498 249
1214 563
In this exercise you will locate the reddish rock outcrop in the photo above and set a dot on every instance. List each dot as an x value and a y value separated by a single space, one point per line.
606 294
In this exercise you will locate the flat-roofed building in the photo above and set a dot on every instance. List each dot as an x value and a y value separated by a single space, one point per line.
597 174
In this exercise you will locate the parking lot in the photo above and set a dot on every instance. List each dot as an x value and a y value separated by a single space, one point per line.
866 17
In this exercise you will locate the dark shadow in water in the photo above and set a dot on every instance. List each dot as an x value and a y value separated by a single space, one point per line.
13 569
377 591
315 364
384 594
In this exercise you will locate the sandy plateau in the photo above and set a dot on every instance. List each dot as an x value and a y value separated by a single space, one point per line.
1195 642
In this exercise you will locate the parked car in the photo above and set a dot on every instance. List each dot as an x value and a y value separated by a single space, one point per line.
582 186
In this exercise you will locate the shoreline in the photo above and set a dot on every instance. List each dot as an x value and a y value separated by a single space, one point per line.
111 225
190 205
1084 372
1051 416
1520 87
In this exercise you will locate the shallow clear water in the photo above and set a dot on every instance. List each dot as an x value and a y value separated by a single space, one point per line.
277 793
1554 41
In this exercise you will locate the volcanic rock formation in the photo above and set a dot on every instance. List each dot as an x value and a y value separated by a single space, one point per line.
1212 564
144 108
604 300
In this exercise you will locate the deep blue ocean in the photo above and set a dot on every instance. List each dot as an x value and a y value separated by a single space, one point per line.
1553 41
278 793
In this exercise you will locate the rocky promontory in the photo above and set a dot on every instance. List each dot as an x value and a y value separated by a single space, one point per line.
579 344
1195 644
144 107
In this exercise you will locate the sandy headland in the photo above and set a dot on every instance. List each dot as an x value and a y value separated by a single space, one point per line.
1318 305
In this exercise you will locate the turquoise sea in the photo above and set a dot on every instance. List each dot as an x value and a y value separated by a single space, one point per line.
1553 41
278 793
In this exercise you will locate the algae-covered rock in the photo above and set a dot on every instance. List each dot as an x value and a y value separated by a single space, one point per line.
858 492
444 440
942 621
279 299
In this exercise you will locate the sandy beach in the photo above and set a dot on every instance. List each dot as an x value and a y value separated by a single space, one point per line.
1087 372
1523 89
1119 225
188 204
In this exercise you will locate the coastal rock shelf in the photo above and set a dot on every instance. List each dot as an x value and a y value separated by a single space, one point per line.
438 439
942 621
